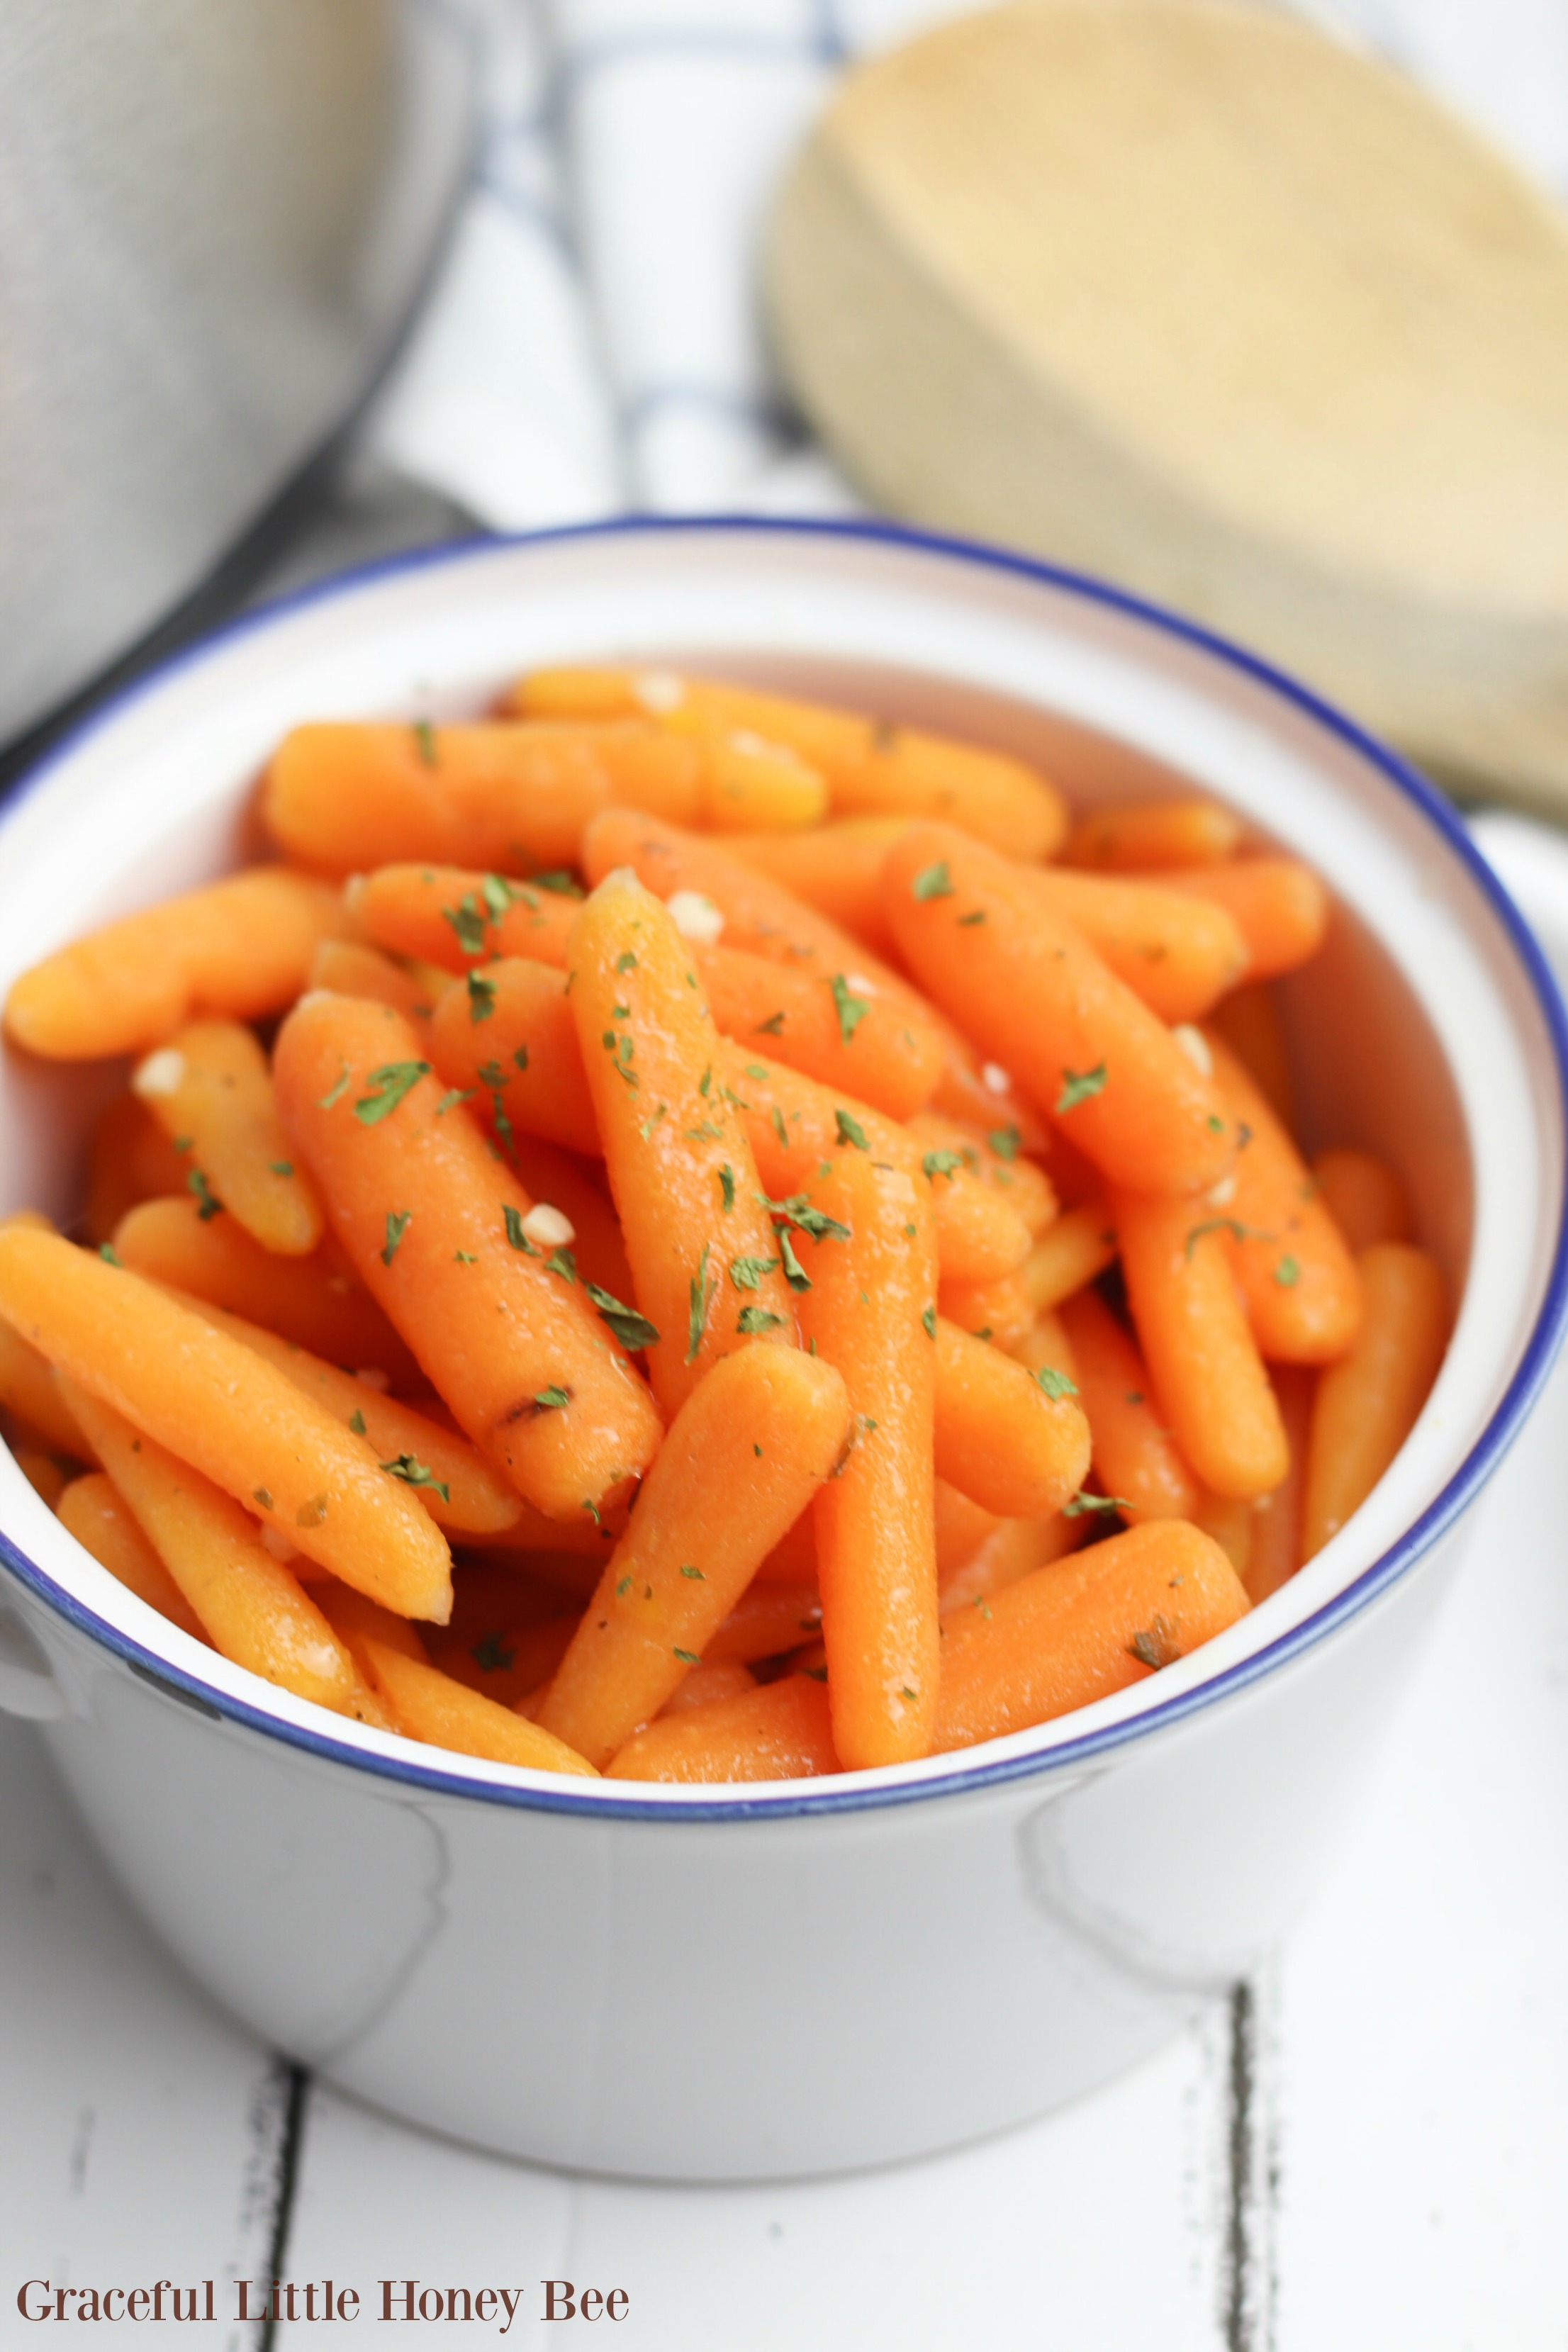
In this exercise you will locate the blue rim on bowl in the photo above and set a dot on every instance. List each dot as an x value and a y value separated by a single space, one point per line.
853 1794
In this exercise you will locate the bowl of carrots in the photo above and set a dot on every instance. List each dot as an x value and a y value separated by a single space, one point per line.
743 1264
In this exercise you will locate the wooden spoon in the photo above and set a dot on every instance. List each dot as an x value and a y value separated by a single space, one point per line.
1185 293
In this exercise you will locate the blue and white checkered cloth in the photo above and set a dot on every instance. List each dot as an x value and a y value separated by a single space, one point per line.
595 341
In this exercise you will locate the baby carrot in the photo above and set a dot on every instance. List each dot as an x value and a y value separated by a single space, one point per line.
90 1509
782 1732
507 1667
961 1527
241 948
436 1228
1002 1311
836 868
1209 1381
793 1124
211 1091
1081 1628
1279 906
753 1442
766 1620
560 1183
314 1301
430 1706
1248 1020
1297 1276
1367 1403
510 1036
1069 1254
337 796
1014 1442
871 1310
1229 1519
1364 1196
722 1678
1131 837
350 969
217 1406
1013 1548
29 1390
249 1606
708 1275
948 1144
748 782
844 1036
129 1160
354 1618
455 917
1028 987
1275 1550
874 767
1135 1456
1173 952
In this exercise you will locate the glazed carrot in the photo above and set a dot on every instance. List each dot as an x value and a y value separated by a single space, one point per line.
249 1606
459 1490
314 1301
241 948
1275 1551
753 1442
129 1160
1081 1628
510 1037
874 767
435 1226
430 1706
836 868
350 969
218 1406
456 916
1013 1548
1032 993
844 1036
961 1527
1364 1196
746 781
720 1678
557 1180
1212 1391
982 1093
871 1311
793 1559
1135 1455
1279 905
210 1090
507 1667
1250 1020
534 1535
43 1472
1367 1403
339 796
1002 1311
1297 1276
1135 836
1230 1520
708 1275
782 1732
90 1509
1022 1183
1173 952
793 1124
1014 1443
355 1620
29 1390
766 1620
1080 1245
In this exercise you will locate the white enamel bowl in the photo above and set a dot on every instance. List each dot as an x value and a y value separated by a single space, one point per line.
689 1984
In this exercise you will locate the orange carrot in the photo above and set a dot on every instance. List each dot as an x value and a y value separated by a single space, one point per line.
1367 1403
698 1234
766 1620
129 1160
1013 1548
1171 951
1296 1274
1017 1443
1364 1196
430 1706
754 1441
1209 1381
871 1310
338 796
1080 1245
874 767
1275 1552
782 1732
29 1390
1229 1519
1279 905
90 1509
249 1607
1250 1020
510 1035
455 917
315 1301
1133 835
836 868
1032 993
507 1667
557 1179
1135 1456
720 1679
355 1620
211 1091
242 948
218 1406
436 1228
961 1527
1081 1628
1021 1182
843 1035
1002 1311
350 969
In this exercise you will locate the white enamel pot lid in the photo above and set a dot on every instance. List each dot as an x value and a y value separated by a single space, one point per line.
147 798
